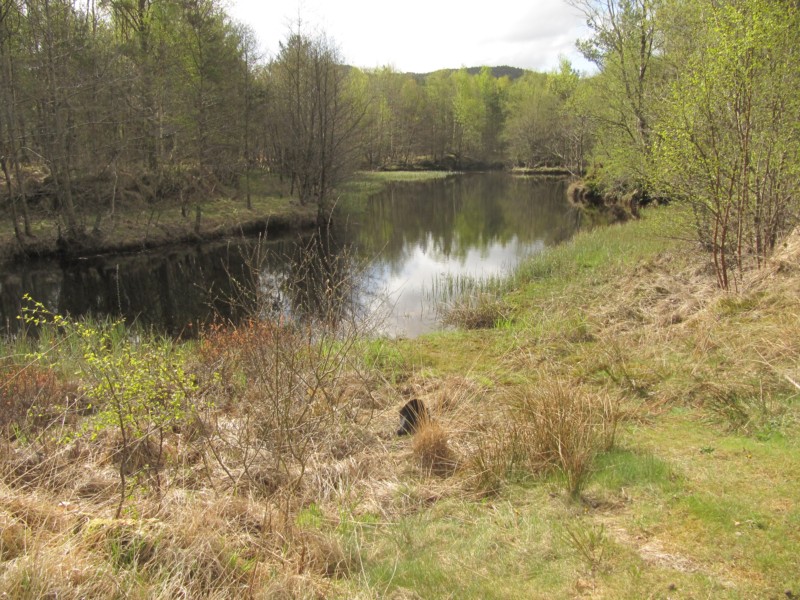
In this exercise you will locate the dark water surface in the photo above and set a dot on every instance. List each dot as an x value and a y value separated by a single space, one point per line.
407 241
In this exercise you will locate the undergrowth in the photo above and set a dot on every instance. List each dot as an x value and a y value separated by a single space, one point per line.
618 428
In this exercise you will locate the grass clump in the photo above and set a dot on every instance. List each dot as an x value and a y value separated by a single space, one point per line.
431 449
479 311
563 428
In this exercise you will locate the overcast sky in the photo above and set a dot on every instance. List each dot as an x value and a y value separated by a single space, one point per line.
424 35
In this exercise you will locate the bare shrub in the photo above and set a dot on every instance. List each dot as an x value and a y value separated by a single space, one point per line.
31 396
293 403
289 381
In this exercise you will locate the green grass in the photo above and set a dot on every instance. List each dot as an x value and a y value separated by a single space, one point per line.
625 469
683 492
697 497
364 184
403 175
471 550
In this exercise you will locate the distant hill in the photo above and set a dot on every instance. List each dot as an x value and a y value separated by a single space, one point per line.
498 72
502 71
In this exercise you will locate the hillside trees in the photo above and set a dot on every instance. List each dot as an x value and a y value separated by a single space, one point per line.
214 55
396 117
531 126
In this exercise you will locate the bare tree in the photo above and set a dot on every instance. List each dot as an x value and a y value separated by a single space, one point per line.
315 117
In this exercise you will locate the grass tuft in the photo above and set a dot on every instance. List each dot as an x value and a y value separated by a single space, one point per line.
479 311
431 449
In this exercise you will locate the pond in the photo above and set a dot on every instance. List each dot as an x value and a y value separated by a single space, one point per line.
386 258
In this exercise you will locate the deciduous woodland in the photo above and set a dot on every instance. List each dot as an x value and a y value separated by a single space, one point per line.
618 418
110 104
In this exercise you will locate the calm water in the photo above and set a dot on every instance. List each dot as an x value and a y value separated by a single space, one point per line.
403 243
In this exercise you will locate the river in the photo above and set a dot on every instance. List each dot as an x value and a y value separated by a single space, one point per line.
386 258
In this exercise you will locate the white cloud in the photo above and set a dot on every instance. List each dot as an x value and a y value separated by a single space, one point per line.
425 35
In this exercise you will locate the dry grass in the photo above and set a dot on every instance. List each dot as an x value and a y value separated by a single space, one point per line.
431 449
561 426
286 480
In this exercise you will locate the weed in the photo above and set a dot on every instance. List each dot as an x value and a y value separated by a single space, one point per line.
587 540
745 408
499 455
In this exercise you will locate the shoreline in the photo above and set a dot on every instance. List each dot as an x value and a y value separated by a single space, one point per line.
146 228
163 236
135 231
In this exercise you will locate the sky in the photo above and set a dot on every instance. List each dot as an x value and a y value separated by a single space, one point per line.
420 36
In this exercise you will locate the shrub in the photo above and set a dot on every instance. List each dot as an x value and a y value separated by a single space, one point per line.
140 390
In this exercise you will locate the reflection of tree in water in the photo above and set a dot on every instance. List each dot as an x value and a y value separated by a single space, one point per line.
319 275
175 291
450 217
320 279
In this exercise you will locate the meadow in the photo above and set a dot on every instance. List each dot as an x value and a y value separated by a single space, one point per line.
605 423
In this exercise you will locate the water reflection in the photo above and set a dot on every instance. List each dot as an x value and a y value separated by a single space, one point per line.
478 225
379 257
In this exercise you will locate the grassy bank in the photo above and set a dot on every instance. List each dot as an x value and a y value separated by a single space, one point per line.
622 429
138 225
695 498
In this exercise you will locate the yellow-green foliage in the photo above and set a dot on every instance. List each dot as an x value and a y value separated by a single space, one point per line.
137 386
136 389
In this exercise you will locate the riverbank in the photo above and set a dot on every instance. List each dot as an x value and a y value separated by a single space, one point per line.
675 471
141 226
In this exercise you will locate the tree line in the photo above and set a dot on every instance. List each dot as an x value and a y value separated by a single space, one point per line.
110 103
106 104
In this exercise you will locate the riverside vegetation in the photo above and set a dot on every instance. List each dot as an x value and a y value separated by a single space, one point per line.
622 428
618 419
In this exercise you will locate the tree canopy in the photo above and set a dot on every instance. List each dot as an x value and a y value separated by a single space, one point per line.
110 104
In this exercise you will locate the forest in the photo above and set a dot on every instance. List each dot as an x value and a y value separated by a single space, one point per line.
113 103
120 103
